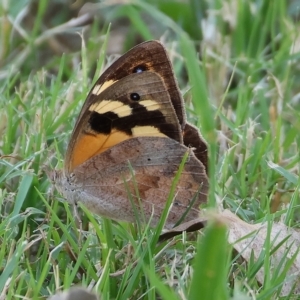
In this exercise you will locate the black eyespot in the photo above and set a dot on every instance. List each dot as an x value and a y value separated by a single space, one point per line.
149 159
135 97
139 69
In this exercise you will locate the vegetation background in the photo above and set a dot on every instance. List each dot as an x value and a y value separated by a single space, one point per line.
237 64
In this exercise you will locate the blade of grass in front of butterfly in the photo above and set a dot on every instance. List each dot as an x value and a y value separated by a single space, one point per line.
202 107
137 205
169 201
143 225
211 265
190 206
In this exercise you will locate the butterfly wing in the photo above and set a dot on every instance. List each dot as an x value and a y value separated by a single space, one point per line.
105 183
192 138
135 115
147 56
136 105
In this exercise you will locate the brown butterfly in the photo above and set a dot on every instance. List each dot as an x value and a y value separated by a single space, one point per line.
129 140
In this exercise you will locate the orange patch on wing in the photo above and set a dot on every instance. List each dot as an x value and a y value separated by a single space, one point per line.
88 146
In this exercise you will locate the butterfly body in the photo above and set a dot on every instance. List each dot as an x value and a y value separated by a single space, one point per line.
129 141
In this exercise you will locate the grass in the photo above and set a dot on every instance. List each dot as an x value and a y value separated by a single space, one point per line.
237 65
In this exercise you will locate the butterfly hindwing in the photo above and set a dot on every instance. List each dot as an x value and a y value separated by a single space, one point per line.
104 183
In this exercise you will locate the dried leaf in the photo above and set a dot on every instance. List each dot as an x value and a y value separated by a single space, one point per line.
249 239
255 241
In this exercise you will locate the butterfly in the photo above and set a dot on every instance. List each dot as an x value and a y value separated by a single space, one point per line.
129 141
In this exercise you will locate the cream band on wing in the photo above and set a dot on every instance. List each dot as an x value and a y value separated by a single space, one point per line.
117 107
150 105
121 109
146 131
98 89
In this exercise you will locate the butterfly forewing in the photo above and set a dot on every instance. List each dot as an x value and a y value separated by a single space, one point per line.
147 56
137 105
